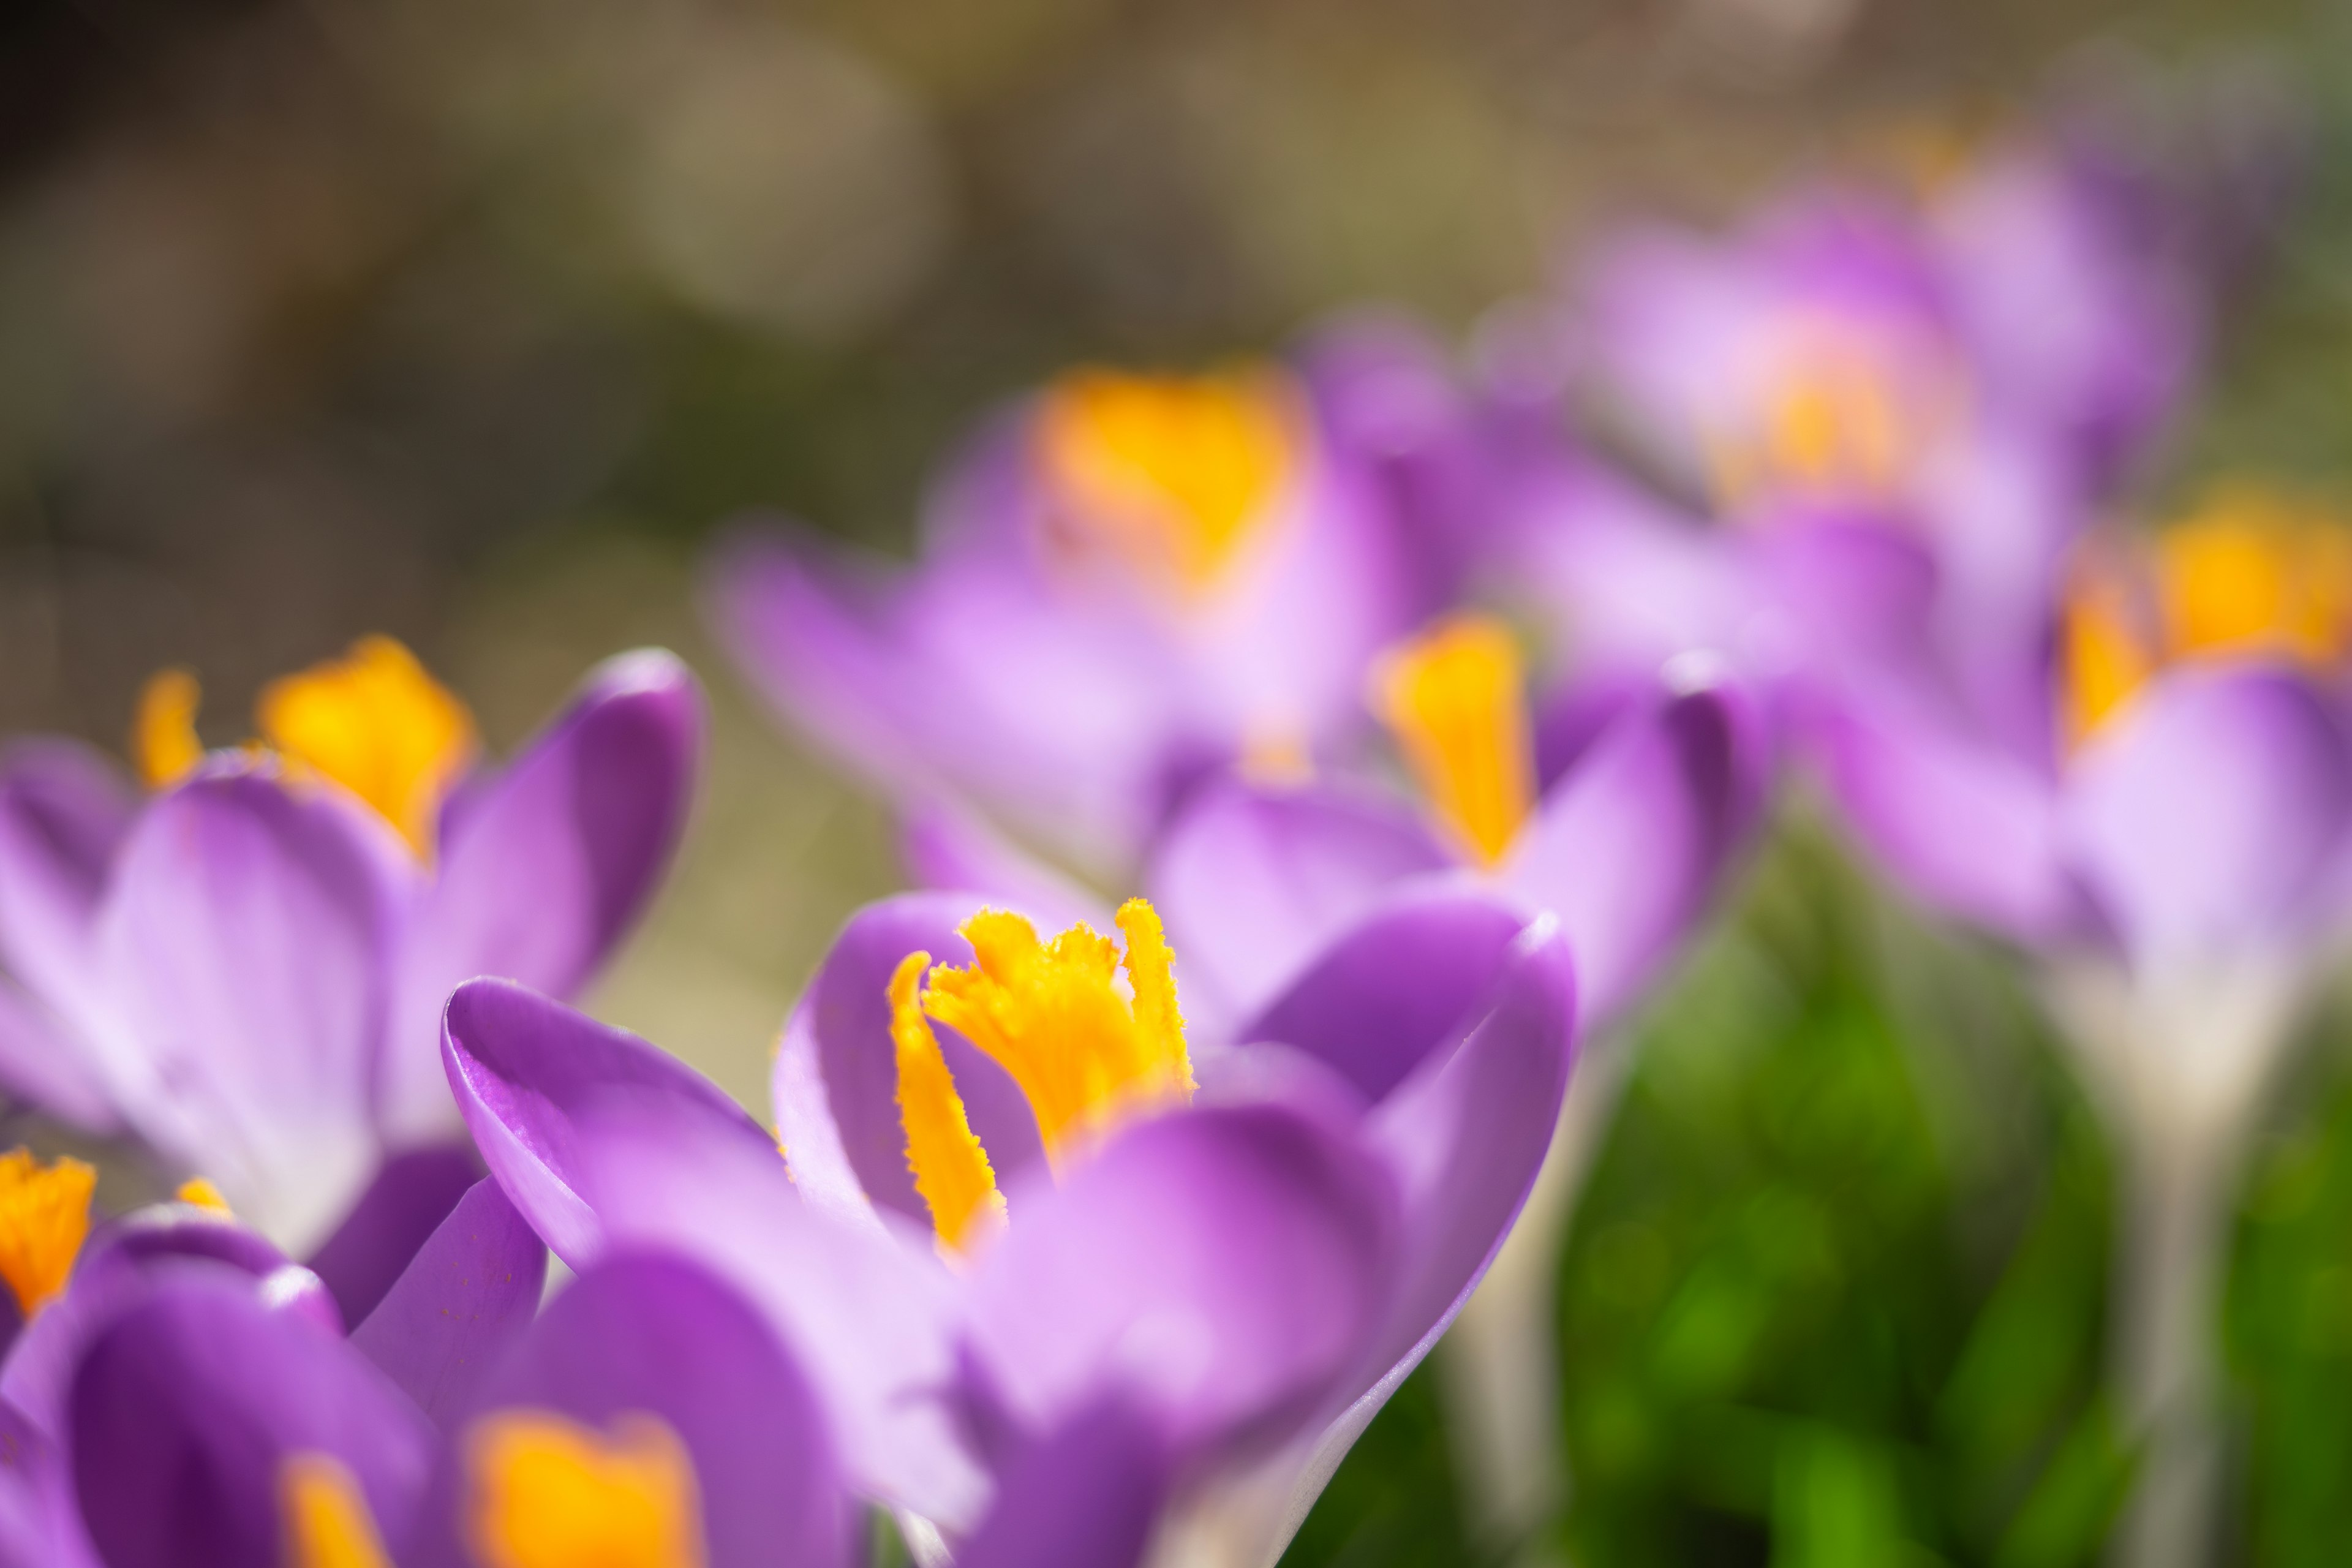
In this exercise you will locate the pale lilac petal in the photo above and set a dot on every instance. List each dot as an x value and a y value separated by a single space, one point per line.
1086 1495
526 1070
1226 1265
547 865
64 810
951 849
411 1195
645 1335
1253 883
2206 813
184 1411
42 1063
463 1299
871 1316
247 933
1964 825
1396 988
1628 849
836 1085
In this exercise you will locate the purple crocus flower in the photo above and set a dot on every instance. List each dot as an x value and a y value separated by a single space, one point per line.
1130 582
245 968
1012 1190
2172 851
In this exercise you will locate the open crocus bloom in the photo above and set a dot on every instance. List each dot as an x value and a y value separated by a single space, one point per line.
1616 816
1133 582
1903 411
245 968
1013 1191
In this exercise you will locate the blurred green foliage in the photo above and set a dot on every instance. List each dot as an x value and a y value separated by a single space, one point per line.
1834 1289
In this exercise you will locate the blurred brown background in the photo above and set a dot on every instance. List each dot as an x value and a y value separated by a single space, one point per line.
466 320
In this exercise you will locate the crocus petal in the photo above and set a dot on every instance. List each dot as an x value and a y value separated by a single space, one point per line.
1253 883
1628 848
547 865
836 1076
184 1410
1963 825
247 930
1224 1266
412 1194
1398 987
1085 1496
526 1070
650 1335
870 1316
947 847
2207 814
40 1065
121 1267
64 810
466 1296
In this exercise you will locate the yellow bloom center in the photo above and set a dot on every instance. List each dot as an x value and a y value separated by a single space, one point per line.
1086 1051
546 1492
201 1193
2251 572
44 1219
1455 700
1835 423
374 720
1174 474
326 1517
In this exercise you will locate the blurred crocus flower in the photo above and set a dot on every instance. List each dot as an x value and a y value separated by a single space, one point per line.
1015 1191
2174 849
245 968
1132 581
1889 416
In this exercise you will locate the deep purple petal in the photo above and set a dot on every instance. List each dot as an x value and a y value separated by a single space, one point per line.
549 864
526 1070
870 1315
248 934
1086 1495
468 1295
64 810
1628 849
643 1335
1225 1264
187 1408
1401 985
413 1192
2207 814
1252 884
835 1084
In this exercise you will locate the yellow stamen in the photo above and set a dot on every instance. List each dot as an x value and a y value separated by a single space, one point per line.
1174 472
545 1492
1454 698
163 733
2103 655
1835 423
2253 570
44 1219
376 723
952 1170
203 1195
1053 1016
326 1516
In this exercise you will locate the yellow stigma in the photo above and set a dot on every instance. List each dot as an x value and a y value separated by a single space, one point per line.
163 733
376 723
326 1516
1832 424
2103 655
44 1219
952 1170
2254 571
545 1492
203 1195
1054 1016
1173 472
1454 698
